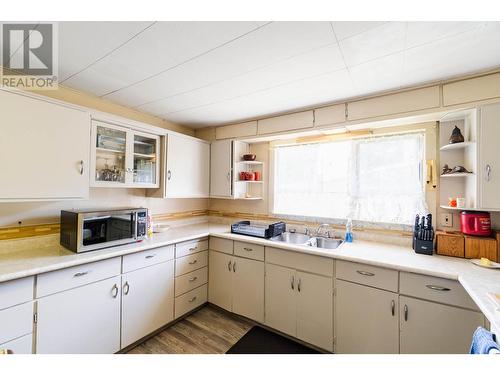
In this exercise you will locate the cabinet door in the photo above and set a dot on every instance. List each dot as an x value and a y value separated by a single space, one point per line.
84 320
432 328
44 148
315 310
220 275
147 301
248 288
146 155
188 165
366 320
489 157
21 345
281 299
220 168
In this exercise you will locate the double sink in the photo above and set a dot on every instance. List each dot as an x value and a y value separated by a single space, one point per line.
306 240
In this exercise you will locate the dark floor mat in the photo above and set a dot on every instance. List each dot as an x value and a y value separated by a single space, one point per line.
261 341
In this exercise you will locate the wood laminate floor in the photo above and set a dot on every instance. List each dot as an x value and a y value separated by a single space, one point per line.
207 331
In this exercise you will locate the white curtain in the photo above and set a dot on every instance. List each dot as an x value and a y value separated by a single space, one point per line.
376 179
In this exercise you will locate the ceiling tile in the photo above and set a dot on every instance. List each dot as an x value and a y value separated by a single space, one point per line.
325 88
270 44
162 46
379 75
419 33
82 43
346 29
377 42
319 61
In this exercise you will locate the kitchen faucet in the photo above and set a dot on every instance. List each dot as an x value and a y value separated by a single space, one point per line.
318 230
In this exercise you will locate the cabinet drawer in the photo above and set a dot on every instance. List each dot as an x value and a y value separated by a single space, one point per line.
190 300
187 248
300 261
190 281
248 250
21 345
16 321
376 277
68 278
221 244
147 258
435 289
15 292
190 263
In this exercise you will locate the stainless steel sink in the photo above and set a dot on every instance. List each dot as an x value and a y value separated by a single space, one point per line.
289 237
325 243
306 240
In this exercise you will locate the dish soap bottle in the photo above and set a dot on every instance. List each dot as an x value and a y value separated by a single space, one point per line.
348 231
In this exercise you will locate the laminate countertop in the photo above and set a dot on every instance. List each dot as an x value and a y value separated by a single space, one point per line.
18 261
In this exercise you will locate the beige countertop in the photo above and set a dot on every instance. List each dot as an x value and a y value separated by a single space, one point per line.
26 258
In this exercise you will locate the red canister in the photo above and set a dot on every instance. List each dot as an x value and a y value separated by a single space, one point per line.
475 223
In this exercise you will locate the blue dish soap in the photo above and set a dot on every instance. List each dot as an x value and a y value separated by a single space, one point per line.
348 231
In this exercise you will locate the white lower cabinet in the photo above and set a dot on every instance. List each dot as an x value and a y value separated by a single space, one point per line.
300 304
366 320
82 320
433 328
147 301
21 345
237 284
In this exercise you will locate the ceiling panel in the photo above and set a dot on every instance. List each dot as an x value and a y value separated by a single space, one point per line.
380 74
377 42
270 44
323 88
426 32
346 29
83 43
319 61
162 46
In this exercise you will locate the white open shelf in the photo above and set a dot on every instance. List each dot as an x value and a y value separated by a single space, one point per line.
456 175
250 181
455 146
460 209
250 162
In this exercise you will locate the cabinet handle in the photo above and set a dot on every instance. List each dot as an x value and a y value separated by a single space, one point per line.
234 266
438 288
365 273
150 256
293 282
169 175
192 299
247 249
406 313
229 266
393 307
114 291
79 274
193 279
81 167
228 176
298 284
194 261
126 288
488 172
192 248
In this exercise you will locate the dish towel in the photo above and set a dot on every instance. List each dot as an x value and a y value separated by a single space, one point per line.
483 342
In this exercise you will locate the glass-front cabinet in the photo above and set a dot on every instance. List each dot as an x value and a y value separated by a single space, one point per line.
124 157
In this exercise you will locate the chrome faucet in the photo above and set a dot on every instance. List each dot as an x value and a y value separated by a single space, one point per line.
318 230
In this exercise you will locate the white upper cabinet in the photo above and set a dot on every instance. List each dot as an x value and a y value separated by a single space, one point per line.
123 157
221 169
489 157
188 167
44 148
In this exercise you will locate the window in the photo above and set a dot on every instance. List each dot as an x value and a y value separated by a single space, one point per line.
376 179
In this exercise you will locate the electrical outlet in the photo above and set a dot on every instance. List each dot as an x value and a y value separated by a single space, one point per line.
446 220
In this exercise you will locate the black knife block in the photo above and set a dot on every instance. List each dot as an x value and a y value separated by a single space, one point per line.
423 246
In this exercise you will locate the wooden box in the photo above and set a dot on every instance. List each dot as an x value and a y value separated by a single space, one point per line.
481 247
450 244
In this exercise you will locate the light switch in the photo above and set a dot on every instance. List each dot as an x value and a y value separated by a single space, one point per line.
447 220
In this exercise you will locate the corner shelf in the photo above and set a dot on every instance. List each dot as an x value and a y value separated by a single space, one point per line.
456 146
460 208
456 175
250 181
248 162
249 198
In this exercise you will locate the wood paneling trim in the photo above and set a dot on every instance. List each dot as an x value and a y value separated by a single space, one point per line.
238 130
471 90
